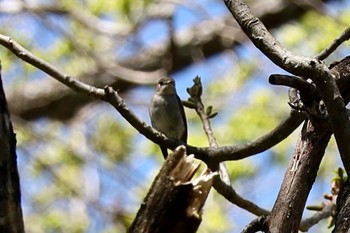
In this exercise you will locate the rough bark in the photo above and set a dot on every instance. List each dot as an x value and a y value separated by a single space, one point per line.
11 219
342 219
300 176
174 204
303 66
302 170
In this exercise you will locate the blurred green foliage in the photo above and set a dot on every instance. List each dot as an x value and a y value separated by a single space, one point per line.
112 139
92 173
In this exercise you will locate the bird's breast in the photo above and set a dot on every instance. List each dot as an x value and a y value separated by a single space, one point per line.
166 116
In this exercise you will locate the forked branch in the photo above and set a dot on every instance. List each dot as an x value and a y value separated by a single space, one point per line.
207 154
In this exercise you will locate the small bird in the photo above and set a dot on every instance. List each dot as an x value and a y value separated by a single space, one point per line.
167 112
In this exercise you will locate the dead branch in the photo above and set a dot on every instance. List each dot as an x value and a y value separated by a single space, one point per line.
174 204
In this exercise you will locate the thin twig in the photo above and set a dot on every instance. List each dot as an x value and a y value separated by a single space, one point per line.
326 212
39 63
279 133
230 194
221 184
108 94
196 98
334 45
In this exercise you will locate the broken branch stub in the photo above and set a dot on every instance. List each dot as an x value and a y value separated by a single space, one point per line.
174 202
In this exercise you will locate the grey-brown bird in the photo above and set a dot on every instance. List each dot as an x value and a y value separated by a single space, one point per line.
167 112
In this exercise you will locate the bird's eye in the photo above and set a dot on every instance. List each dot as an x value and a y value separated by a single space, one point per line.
161 83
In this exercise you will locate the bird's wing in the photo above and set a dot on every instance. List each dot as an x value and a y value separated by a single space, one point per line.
183 115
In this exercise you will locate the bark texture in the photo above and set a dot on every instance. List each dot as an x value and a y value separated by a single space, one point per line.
11 219
302 170
342 219
299 178
174 204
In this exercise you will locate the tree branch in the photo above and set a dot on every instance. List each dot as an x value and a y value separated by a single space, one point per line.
326 212
231 195
207 154
204 114
221 184
67 80
300 176
292 81
342 220
334 45
256 225
302 66
210 36
282 131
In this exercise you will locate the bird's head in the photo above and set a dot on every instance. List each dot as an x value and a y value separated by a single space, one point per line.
166 86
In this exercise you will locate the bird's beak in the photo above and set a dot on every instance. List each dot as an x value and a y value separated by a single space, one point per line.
169 82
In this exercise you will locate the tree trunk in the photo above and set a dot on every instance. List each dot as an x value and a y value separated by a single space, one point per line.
11 219
299 178
342 218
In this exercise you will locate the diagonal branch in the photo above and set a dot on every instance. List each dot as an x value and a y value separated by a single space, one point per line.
231 195
326 212
223 184
206 36
302 66
207 154
300 176
265 142
39 63
333 46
